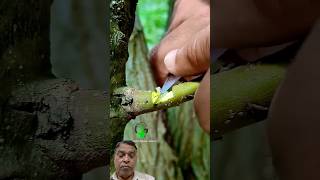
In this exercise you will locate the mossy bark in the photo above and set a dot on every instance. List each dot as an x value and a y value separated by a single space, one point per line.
121 26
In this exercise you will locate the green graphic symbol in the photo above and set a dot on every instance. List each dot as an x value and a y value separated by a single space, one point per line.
141 130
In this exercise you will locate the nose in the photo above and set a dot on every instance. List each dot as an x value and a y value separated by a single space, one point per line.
126 159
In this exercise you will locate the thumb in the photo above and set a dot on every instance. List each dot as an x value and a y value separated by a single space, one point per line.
193 58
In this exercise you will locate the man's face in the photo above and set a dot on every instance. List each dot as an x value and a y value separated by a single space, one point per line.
125 160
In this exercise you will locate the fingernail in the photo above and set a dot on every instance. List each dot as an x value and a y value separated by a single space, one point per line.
170 59
189 78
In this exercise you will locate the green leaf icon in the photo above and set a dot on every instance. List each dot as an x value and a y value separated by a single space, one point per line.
140 131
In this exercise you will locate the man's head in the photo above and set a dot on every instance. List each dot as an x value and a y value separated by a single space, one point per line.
125 158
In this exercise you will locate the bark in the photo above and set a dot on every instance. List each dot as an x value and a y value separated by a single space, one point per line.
50 129
24 43
121 26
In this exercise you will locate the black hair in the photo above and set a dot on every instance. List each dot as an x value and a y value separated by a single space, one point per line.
128 142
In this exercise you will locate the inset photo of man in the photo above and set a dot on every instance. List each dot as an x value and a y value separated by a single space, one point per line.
125 158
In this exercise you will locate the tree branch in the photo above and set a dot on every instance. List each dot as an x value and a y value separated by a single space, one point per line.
242 95
135 102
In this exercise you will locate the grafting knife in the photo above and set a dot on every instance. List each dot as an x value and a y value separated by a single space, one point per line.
172 79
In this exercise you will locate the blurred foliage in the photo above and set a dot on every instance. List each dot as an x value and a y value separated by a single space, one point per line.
153 15
189 141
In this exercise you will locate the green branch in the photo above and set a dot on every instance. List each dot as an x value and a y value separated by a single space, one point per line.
241 96
132 102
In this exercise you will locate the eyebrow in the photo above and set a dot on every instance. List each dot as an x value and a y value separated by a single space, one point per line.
126 152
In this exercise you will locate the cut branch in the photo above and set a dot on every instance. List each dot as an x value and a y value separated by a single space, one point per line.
134 102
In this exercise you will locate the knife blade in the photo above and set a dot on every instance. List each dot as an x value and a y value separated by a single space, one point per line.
170 81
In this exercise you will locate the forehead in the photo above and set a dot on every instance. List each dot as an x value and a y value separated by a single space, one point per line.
126 148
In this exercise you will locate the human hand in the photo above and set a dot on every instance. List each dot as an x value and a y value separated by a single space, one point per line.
185 51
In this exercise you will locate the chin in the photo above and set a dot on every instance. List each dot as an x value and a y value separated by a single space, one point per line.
125 173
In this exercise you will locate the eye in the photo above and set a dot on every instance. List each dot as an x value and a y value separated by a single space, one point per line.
120 154
131 155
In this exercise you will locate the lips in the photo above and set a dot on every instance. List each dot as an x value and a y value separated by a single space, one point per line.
125 167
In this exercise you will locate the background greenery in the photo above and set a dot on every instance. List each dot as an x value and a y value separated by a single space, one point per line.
153 15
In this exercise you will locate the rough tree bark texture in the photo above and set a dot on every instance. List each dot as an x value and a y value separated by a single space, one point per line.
121 26
49 128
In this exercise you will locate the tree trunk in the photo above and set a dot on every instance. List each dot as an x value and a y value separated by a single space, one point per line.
49 128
